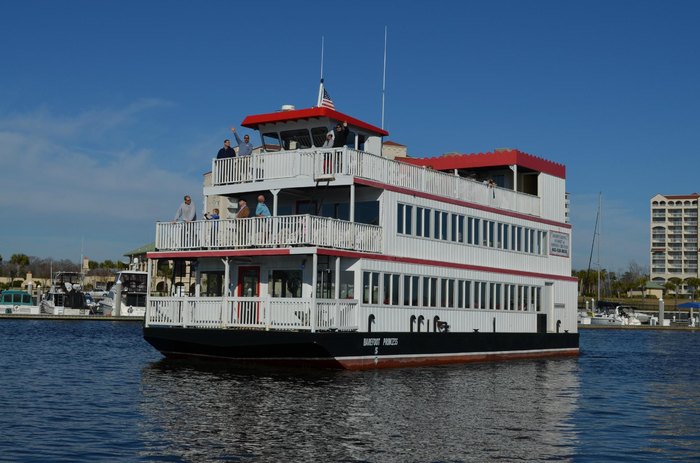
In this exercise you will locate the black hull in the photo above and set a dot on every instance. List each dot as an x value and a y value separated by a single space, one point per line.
357 350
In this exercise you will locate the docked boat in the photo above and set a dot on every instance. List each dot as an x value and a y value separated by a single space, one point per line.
366 261
127 296
17 302
65 296
618 316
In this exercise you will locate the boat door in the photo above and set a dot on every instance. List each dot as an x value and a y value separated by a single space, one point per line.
248 287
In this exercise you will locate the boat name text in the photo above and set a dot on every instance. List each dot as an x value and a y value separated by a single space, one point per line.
380 341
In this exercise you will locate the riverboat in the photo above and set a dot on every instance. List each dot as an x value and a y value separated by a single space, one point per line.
367 261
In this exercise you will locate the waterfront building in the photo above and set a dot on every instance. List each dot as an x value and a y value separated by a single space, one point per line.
674 238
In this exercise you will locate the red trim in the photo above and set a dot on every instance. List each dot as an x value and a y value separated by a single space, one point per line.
353 255
288 116
437 263
218 253
367 363
493 159
457 202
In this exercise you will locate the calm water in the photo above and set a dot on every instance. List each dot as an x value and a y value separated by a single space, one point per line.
95 391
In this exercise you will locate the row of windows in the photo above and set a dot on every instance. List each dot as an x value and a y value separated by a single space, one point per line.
302 139
446 226
428 291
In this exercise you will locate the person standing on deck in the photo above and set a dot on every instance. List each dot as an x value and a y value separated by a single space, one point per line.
226 151
243 211
186 212
262 210
245 148
340 135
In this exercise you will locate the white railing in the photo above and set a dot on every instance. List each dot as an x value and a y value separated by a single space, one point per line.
316 163
279 231
253 312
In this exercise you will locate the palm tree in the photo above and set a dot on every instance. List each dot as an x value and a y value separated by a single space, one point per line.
693 283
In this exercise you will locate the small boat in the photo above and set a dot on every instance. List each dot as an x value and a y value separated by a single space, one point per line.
643 318
132 299
616 317
66 296
17 302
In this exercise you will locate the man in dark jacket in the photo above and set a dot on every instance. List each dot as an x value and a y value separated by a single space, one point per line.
340 135
226 151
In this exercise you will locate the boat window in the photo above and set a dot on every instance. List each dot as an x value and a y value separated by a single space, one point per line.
271 142
448 292
497 304
441 225
429 291
360 141
367 212
296 139
286 283
457 228
325 283
410 290
318 134
370 287
483 293
26 299
347 285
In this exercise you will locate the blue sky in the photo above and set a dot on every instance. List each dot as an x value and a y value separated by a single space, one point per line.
110 111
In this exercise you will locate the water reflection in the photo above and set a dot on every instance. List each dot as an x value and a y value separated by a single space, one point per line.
511 411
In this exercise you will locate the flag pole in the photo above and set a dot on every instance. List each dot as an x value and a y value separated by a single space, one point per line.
320 88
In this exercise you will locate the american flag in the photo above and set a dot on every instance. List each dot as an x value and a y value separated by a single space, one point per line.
326 101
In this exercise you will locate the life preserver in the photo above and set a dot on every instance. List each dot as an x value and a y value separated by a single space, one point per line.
130 310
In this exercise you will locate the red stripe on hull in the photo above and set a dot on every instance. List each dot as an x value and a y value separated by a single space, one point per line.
369 364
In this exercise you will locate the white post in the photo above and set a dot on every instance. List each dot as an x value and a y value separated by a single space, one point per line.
314 281
117 289
149 282
661 312
352 202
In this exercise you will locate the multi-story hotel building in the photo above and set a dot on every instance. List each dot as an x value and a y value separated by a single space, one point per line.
674 237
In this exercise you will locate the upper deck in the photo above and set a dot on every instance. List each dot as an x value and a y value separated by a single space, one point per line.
292 163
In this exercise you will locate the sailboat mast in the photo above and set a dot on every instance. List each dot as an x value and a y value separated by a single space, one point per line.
600 213
593 243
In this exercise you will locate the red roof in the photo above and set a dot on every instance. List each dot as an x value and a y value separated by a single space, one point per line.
253 122
497 158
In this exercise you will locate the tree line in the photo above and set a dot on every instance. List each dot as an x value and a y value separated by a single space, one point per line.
635 278
18 265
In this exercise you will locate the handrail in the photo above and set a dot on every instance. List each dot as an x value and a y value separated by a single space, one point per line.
318 162
277 231
253 312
